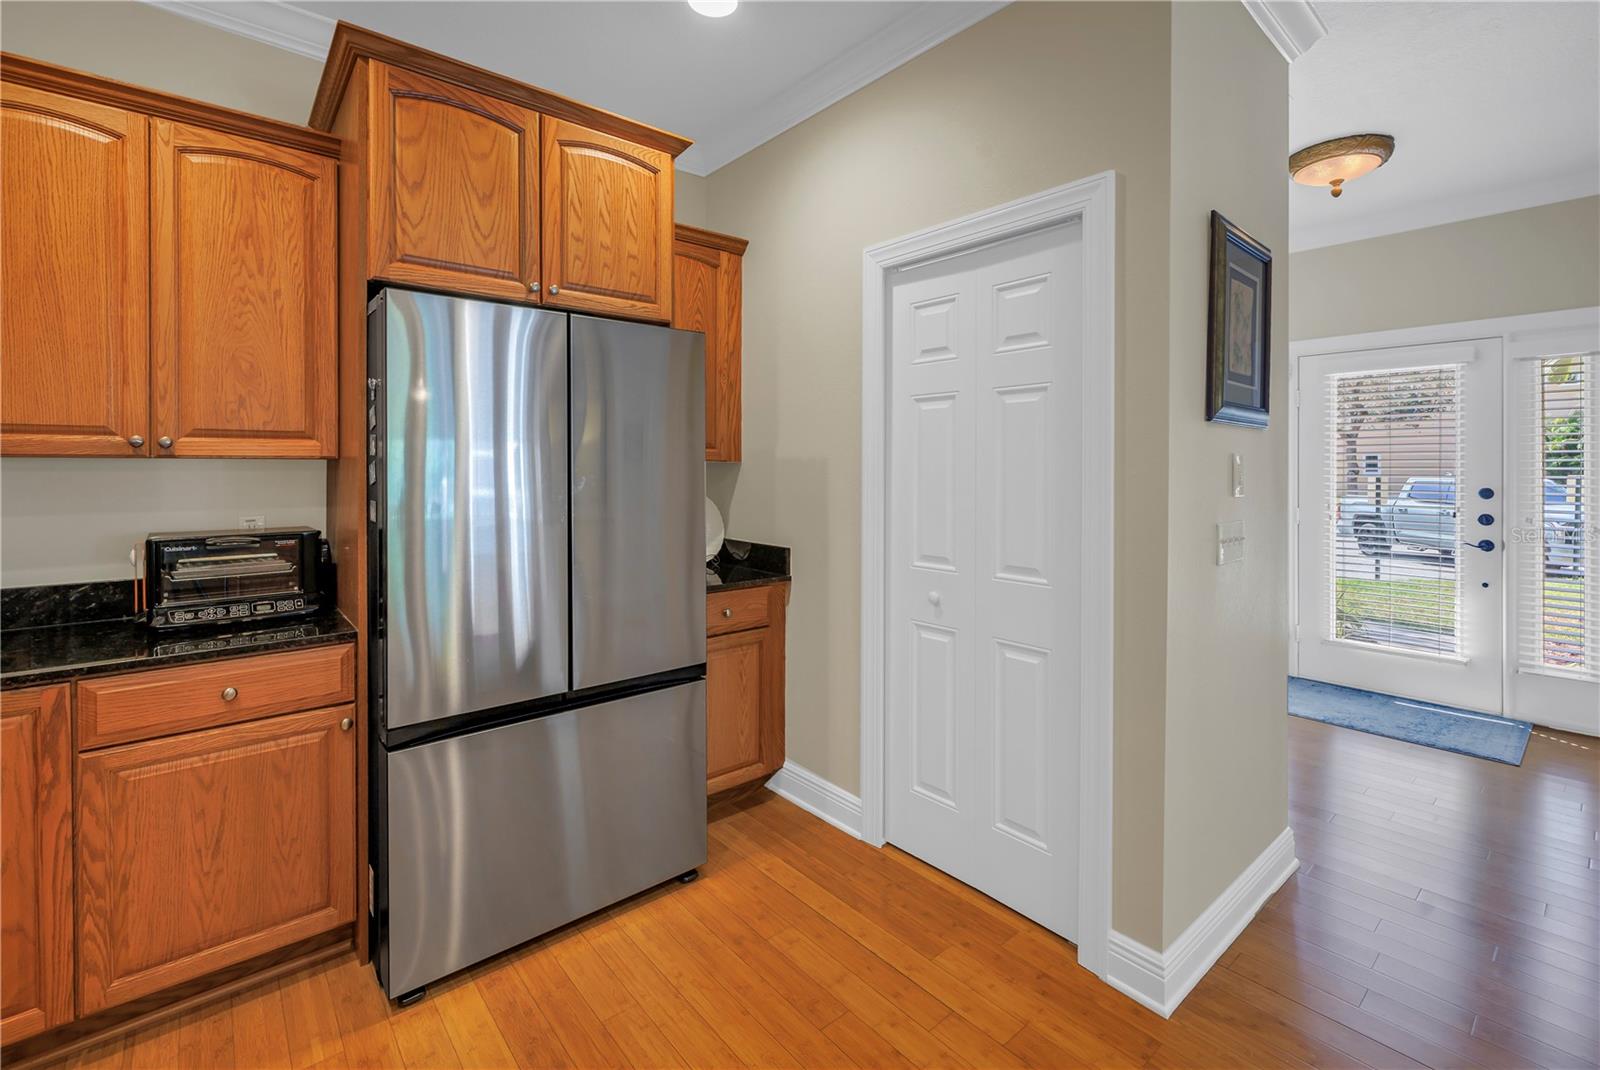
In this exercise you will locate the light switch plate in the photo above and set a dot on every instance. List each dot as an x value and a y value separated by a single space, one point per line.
252 523
1230 543
1236 471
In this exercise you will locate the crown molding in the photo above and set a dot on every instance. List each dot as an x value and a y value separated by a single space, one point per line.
898 43
281 25
1292 26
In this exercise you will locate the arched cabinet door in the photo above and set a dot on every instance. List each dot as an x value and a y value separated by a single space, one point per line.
243 315
74 230
606 224
455 187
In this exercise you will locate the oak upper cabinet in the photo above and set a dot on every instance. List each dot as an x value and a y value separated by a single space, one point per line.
607 224
74 231
455 187
168 276
480 184
202 850
744 684
707 296
36 847
244 359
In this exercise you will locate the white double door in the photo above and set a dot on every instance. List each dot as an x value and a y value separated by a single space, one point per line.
983 536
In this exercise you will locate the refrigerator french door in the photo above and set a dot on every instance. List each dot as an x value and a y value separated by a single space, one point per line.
537 646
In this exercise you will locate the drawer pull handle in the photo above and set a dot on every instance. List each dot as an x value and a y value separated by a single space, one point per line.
229 694
727 612
346 724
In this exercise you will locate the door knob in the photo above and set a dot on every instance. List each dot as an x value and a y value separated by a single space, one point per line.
934 598
164 442
727 612
136 441
229 694
554 289
533 287
346 724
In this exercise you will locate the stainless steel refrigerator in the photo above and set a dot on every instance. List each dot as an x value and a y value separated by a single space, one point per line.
538 646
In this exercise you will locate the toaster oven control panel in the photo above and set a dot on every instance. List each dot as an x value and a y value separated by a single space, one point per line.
220 612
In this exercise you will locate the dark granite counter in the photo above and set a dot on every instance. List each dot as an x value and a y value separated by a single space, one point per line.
747 564
51 634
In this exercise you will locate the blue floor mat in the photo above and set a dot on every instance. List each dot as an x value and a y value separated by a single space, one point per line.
1479 735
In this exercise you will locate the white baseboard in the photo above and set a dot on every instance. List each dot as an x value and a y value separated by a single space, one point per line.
1160 979
825 799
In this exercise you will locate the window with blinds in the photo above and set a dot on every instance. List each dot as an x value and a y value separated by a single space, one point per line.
1394 525
1558 604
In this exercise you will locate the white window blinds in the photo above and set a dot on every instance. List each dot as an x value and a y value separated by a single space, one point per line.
1558 602
1394 526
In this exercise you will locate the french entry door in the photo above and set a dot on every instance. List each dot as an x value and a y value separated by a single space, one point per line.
1445 534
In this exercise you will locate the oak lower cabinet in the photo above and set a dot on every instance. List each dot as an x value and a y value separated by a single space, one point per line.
36 850
455 187
744 685
203 850
708 296
168 274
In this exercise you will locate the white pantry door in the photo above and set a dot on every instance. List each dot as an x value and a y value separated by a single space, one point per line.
985 472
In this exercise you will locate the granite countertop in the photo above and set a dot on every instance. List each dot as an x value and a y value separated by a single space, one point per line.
35 651
746 564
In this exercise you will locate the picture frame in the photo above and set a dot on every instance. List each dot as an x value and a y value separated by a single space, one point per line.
1238 327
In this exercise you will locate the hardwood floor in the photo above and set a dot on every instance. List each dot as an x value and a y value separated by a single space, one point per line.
1444 915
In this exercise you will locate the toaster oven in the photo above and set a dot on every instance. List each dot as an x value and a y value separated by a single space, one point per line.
220 577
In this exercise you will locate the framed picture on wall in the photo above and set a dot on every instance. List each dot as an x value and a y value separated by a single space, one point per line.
1238 327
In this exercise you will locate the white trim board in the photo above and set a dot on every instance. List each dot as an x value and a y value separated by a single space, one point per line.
1292 26
1092 201
281 25
1161 979
817 796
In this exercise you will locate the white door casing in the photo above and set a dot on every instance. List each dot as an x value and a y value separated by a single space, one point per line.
1085 413
983 684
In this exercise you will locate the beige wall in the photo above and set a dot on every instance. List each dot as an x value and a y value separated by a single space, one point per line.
689 200
1534 260
1032 97
1227 648
63 520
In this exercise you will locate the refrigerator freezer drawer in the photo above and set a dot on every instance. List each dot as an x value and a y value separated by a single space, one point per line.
504 834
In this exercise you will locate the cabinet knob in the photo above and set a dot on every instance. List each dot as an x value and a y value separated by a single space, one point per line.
136 441
164 442
346 724
934 598
533 287
554 289
229 694
727 612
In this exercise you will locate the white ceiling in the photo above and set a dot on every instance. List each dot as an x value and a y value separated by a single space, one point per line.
729 84
1493 106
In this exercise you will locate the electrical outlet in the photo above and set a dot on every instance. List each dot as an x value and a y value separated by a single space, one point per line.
252 523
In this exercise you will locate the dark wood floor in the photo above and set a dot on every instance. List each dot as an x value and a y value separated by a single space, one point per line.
1445 915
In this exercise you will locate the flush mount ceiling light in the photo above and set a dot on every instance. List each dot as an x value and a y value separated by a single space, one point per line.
1333 163
714 9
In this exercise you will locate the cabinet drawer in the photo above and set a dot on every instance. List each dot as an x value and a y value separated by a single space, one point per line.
121 709
734 611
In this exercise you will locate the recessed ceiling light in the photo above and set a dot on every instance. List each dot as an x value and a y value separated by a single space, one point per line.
714 9
1344 159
